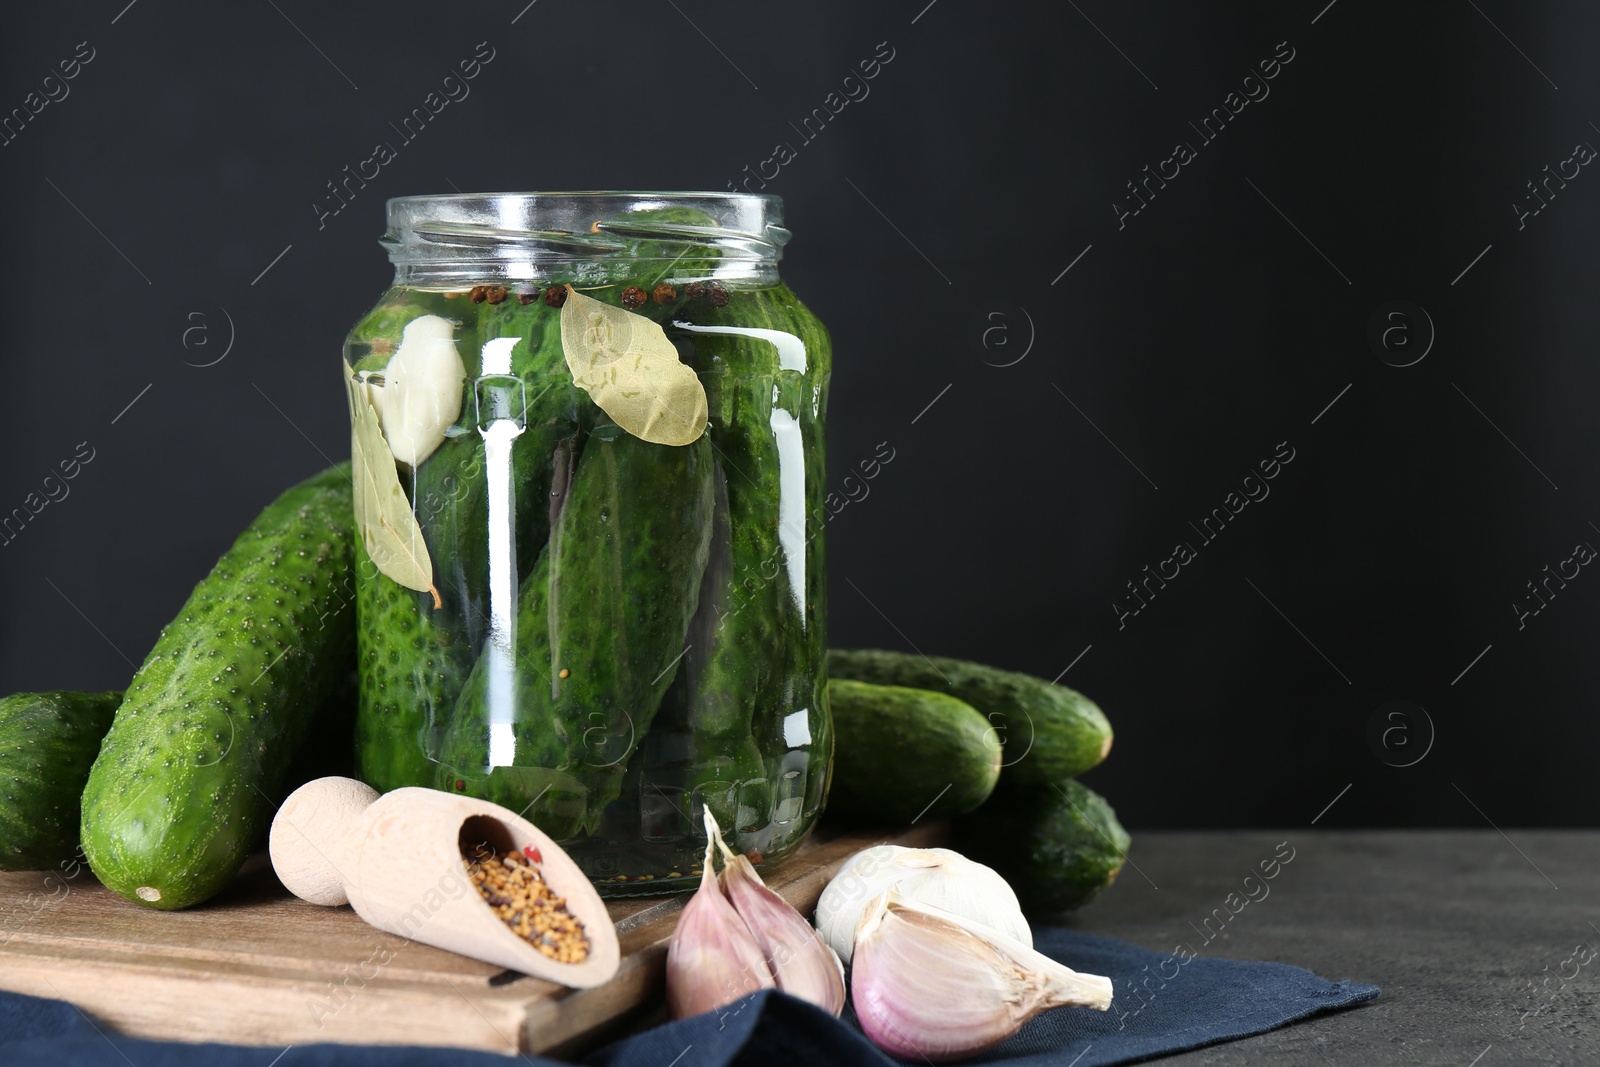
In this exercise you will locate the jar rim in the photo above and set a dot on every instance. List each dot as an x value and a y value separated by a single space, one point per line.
657 194
450 238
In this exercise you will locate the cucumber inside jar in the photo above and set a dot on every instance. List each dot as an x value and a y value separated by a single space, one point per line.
745 727
411 659
600 624
667 629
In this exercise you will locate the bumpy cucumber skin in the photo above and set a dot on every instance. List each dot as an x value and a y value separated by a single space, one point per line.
758 657
1059 845
450 499
48 741
907 754
600 627
1051 732
410 662
449 494
410 670
544 454
415 658
763 659
742 657
181 788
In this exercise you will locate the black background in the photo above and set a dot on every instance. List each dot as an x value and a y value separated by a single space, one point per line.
933 221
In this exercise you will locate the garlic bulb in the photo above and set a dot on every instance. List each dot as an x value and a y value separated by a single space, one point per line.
422 388
712 959
801 964
928 985
936 877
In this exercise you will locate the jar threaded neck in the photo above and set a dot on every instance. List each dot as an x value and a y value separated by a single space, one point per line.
451 240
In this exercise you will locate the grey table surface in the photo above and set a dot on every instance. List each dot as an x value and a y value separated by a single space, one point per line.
1485 943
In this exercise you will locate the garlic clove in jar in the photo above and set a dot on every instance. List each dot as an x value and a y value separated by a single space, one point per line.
801 964
937 877
421 395
929 986
712 959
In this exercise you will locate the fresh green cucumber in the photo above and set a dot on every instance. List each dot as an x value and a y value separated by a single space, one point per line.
908 754
48 741
1058 845
182 786
600 629
1051 732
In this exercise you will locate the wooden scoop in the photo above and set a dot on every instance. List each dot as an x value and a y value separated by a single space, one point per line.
397 859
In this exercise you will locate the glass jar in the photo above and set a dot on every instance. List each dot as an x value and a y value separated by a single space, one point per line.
604 626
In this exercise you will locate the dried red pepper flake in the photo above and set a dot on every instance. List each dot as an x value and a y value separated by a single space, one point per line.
532 852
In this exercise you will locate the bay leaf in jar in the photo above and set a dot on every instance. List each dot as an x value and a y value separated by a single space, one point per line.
632 371
384 518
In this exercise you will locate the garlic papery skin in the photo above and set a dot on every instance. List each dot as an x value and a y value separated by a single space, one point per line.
712 959
936 877
927 987
801 964
421 395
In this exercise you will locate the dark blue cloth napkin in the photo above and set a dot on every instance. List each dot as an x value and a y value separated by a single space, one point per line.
1163 1003
1204 1001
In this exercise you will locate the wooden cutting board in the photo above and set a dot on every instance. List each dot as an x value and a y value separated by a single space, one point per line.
257 966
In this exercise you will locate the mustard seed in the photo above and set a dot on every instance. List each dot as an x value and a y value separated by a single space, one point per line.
524 901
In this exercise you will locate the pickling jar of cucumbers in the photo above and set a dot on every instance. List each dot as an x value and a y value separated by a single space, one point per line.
587 433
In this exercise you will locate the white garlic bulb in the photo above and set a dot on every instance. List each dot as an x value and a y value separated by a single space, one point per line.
421 392
935 877
928 985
